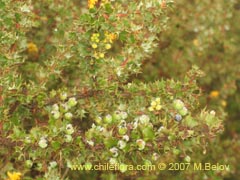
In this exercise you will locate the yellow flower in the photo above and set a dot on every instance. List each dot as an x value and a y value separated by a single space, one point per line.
95 37
94 46
223 103
153 104
158 107
14 176
214 94
101 55
96 55
157 100
110 37
32 48
150 108
108 46
196 42
92 3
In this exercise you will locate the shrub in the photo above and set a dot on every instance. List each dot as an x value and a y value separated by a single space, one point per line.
70 94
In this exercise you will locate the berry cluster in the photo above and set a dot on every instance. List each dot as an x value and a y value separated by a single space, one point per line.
64 107
180 107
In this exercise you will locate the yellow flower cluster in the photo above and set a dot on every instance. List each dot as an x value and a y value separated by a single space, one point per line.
155 105
32 48
99 55
14 176
92 3
110 37
106 43
95 40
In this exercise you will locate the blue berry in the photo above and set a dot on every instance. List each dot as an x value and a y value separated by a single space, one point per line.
178 117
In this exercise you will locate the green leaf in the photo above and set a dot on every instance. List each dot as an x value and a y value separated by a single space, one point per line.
148 133
108 8
110 142
123 36
56 145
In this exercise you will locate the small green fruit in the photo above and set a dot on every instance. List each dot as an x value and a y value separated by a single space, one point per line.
43 143
28 163
68 138
176 151
141 144
187 159
116 116
72 102
183 111
98 120
147 163
144 119
124 115
63 96
27 140
108 119
68 116
178 104
56 114
69 129
52 164
122 130
122 144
